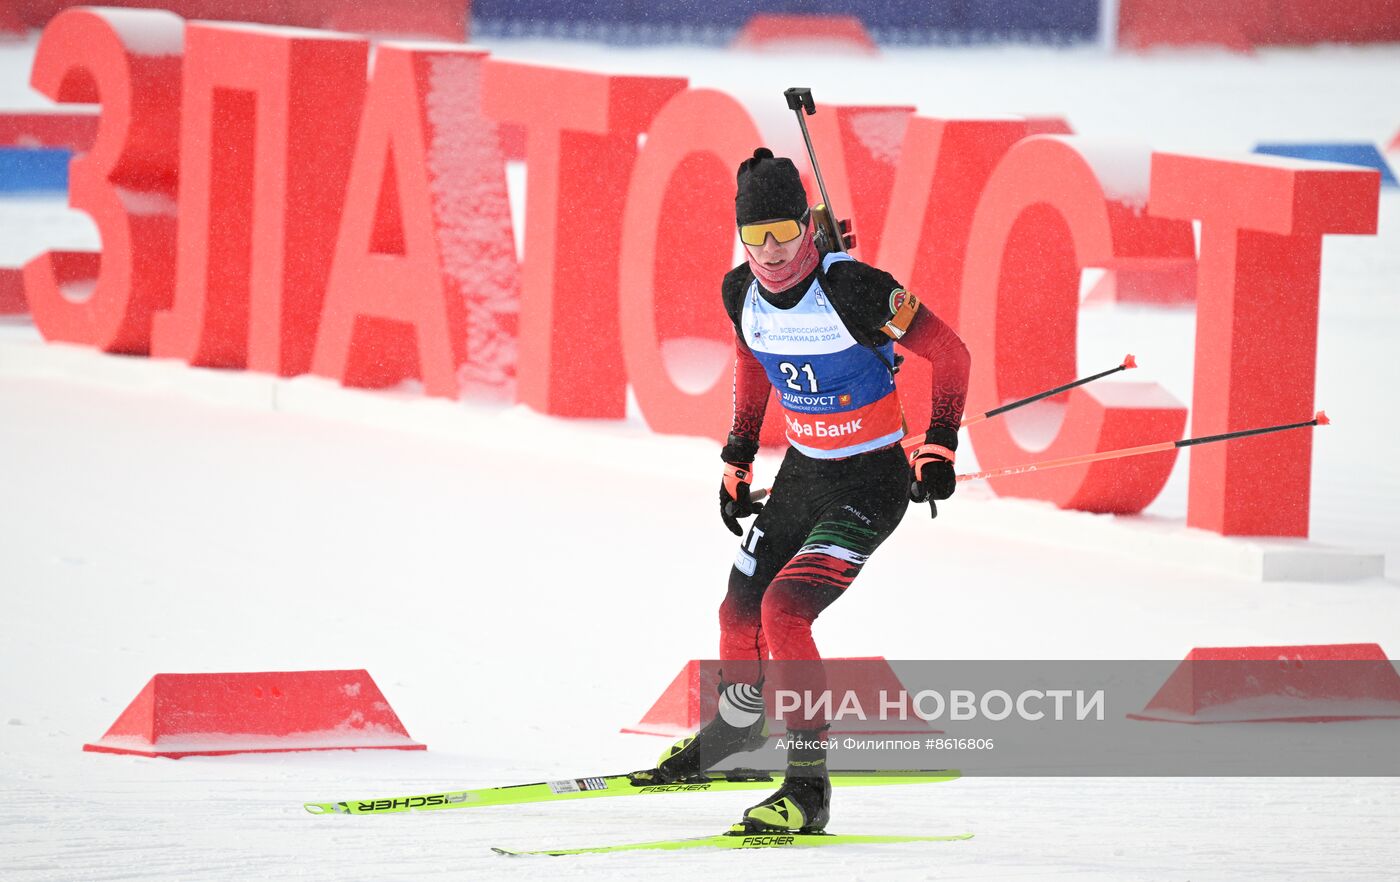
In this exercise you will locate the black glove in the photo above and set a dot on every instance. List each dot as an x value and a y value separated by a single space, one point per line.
734 501
931 463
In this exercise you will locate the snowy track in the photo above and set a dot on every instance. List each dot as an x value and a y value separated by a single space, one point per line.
202 819
309 545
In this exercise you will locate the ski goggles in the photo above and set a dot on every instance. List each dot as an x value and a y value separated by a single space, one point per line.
782 231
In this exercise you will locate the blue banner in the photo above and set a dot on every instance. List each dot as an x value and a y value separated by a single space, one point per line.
716 22
26 170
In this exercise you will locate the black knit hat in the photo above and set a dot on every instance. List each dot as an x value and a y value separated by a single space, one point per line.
769 188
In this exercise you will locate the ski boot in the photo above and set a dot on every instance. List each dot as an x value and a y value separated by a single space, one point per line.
739 726
803 803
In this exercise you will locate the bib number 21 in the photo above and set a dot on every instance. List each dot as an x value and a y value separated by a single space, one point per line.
791 372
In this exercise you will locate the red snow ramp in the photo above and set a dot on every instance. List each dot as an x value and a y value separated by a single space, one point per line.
180 715
677 711
1255 684
691 698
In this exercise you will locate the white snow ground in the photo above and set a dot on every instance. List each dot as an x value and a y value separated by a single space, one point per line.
517 604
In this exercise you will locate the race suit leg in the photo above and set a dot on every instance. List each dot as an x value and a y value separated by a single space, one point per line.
825 519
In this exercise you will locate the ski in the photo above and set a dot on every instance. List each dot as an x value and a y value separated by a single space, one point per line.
744 840
609 785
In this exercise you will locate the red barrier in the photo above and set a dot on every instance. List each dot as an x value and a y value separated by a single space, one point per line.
1143 24
11 25
448 20
1053 206
130 62
677 341
72 131
257 220
1262 222
438 19
1337 21
582 133
1346 681
691 699
179 715
767 31
395 307
12 300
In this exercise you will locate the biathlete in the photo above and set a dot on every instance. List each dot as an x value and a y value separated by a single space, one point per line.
820 329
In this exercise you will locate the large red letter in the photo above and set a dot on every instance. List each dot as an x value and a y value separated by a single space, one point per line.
582 133
1053 206
129 60
1262 223
266 123
676 340
424 220
943 167
860 151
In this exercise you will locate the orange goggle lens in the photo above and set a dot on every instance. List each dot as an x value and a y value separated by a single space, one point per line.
781 230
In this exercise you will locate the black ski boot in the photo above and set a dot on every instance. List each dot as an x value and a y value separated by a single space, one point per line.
739 726
803 803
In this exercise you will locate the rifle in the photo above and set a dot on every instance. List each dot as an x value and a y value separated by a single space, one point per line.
832 235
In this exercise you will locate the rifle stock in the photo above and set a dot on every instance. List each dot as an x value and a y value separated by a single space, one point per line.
831 235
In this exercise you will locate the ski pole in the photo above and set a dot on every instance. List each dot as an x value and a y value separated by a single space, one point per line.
799 100
1319 420
909 443
1129 362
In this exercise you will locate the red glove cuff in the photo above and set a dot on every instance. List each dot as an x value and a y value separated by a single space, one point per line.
929 452
736 474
